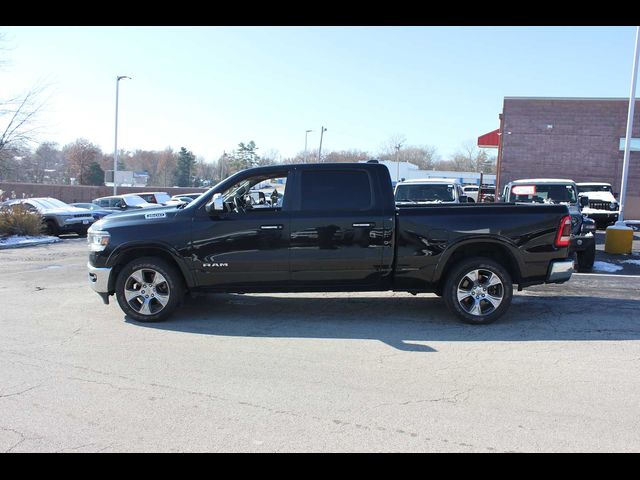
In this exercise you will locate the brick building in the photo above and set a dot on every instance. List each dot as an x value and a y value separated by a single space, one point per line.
577 138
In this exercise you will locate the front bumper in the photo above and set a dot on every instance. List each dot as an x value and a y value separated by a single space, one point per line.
602 216
99 278
560 271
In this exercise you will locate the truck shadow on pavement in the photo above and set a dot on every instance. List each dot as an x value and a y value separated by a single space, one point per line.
401 322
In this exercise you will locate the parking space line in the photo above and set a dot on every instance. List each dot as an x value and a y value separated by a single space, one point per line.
608 275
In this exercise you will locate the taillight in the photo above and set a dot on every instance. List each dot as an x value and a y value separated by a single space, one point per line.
563 237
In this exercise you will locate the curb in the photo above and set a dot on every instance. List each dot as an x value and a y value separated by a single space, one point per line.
45 241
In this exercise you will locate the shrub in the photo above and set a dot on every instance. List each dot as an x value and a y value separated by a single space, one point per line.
20 221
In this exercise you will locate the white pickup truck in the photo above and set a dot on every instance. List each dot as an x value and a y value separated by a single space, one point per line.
425 191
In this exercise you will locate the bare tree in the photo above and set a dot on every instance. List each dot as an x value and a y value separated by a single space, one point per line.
80 154
389 147
345 156
17 120
470 158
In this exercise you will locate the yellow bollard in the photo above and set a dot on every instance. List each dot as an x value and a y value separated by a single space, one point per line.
618 239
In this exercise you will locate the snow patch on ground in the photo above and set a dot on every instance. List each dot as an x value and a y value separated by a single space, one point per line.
634 262
19 241
606 267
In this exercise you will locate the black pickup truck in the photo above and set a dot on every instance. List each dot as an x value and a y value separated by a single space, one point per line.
327 227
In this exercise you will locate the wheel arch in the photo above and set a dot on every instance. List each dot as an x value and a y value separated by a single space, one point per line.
122 256
495 250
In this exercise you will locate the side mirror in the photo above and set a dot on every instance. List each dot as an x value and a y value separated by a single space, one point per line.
216 205
122 206
464 199
584 201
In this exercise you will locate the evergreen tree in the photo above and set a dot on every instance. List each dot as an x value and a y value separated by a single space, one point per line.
94 175
185 167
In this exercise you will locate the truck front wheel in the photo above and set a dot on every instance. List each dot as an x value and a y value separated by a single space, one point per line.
478 290
586 259
149 289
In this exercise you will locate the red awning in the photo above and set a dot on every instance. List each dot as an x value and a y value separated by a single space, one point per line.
489 140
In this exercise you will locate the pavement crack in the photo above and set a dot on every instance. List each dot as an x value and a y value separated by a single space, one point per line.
20 392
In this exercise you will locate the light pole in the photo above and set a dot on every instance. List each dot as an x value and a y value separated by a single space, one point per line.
397 147
619 237
305 144
322 130
115 152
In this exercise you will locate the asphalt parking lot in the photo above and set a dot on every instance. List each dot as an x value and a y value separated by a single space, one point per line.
313 372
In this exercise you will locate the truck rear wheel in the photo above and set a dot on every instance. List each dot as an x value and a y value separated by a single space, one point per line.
478 290
149 289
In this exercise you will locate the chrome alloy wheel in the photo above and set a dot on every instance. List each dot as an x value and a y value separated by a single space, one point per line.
480 292
146 291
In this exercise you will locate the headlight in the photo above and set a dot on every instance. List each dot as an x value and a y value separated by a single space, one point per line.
613 206
97 240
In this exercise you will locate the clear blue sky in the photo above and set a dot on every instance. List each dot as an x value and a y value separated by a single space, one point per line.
209 88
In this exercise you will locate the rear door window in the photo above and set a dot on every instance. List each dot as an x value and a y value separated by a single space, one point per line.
336 190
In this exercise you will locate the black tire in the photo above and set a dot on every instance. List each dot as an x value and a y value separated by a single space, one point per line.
51 227
147 306
480 307
586 258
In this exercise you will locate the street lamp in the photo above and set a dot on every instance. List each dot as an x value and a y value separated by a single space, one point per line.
115 152
305 144
322 130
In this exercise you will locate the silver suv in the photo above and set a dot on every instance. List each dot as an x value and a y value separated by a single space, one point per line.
58 217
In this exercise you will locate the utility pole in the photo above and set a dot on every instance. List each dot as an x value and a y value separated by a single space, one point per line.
397 147
305 144
322 130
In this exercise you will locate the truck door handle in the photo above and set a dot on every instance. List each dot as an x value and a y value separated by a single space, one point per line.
271 227
370 224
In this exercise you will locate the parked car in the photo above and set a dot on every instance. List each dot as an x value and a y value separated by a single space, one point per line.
183 198
471 192
58 217
486 193
97 211
425 191
603 207
159 198
125 202
337 229
192 196
550 191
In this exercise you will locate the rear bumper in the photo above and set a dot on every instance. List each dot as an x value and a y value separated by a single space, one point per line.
560 271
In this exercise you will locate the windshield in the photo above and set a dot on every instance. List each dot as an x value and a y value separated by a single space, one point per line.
49 203
593 188
544 193
425 193
134 200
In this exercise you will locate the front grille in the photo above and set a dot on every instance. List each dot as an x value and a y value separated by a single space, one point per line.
82 215
601 205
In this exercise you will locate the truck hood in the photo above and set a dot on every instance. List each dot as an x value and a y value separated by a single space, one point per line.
65 211
140 216
603 196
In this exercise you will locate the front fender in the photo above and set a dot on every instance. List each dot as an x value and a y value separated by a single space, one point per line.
145 248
